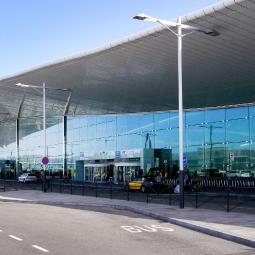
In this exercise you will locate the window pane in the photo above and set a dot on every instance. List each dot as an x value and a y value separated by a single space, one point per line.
195 158
214 132
215 115
239 163
195 135
236 113
193 118
174 137
174 119
162 139
162 121
215 157
237 130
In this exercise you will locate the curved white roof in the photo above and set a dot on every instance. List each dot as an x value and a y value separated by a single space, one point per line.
139 73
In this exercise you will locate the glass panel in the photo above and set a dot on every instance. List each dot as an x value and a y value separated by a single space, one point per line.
214 132
236 113
252 159
237 156
215 115
252 111
193 118
174 137
252 128
91 126
175 155
147 123
162 121
162 139
174 119
195 135
111 126
195 158
237 130
101 126
215 161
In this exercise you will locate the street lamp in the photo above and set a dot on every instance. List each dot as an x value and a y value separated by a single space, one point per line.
43 87
190 29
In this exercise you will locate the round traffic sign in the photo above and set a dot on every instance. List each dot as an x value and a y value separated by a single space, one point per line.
45 160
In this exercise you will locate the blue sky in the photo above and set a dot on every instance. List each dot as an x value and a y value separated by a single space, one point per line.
34 32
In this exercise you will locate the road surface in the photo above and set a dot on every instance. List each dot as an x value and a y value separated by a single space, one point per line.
42 229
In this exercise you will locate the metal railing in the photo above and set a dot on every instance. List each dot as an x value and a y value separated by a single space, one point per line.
212 193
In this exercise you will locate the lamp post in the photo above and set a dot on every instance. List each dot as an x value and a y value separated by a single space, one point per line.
170 25
45 157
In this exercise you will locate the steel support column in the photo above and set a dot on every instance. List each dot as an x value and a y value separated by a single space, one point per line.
64 145
17 148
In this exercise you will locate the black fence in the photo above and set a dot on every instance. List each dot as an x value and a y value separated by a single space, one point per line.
230 194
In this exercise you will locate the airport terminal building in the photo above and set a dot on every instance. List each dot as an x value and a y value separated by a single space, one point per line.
119 115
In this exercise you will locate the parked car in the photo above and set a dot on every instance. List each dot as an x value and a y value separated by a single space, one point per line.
27 177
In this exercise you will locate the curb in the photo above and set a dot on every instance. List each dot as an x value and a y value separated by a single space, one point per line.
157 216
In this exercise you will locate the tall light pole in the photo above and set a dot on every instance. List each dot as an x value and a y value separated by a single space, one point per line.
45 157
170 25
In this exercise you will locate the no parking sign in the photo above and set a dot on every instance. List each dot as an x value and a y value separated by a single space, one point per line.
45 160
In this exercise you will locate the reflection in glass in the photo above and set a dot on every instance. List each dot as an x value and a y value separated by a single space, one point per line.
237 130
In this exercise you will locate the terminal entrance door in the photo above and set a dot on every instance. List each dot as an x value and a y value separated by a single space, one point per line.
97 172
126 171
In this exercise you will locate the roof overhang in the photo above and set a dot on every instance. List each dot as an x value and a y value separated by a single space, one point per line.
139 73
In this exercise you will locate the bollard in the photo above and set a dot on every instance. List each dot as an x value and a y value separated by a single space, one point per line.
83 189
96 188
128 191
196 199
61 186
170 198
111 190
147 196
228 197
71 187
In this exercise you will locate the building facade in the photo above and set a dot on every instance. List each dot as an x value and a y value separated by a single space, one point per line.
216 141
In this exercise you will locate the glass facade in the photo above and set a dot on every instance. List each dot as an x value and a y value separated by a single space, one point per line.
210 137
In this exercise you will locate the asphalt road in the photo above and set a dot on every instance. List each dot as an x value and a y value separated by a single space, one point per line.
40 229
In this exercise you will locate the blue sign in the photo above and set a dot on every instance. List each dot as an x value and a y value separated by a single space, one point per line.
185 160
117 154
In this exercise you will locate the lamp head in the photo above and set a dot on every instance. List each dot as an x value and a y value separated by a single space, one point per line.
22 85
212 32
142 16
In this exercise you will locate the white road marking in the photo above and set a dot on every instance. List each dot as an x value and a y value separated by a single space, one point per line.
39 248
15 237
1 230
145 228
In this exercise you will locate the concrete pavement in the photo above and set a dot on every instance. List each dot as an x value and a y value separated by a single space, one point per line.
237 227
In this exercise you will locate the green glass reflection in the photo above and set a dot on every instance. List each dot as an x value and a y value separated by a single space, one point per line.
215 157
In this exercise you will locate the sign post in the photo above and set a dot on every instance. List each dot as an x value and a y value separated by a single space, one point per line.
45 162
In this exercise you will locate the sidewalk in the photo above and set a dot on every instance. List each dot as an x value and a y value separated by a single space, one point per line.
237 227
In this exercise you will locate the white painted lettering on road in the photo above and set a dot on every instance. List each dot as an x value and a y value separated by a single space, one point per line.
145 228
15 237
39 248
162 228
131 229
